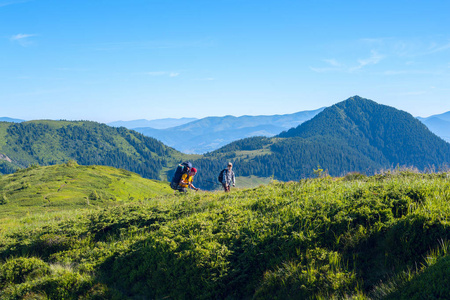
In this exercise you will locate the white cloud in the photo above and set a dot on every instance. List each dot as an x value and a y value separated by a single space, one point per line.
332 62
411 93
163 73
410 72
434 48
206 79
323 70
6 3
22 39
374 59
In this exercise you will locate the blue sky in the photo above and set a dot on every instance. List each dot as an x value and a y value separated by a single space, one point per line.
123 60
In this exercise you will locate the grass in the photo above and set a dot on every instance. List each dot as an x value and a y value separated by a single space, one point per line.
249 154
251 181
45 190
356 237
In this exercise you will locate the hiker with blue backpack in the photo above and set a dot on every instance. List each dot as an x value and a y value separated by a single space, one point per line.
186 181
183 177
226 177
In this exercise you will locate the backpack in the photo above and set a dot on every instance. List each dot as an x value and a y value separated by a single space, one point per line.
181 169
221 175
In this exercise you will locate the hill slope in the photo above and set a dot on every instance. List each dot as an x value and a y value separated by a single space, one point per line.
70 186
330 238
211 133
354 135
53 142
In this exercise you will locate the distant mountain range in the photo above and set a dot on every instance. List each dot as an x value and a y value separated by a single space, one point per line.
354 135
157 124
439 125
6 119
211 133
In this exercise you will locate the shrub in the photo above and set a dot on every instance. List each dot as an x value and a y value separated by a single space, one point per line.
319 274
18 270
3 199
94 195
50 243
355 176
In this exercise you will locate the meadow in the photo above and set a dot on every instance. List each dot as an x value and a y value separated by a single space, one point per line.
353 237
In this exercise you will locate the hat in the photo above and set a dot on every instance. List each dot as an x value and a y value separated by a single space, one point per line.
230 164
193 170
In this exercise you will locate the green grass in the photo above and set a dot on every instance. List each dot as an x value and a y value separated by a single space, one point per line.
355 237
251 181
249 154
49 189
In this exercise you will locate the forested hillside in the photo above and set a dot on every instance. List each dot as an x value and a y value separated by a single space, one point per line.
354 135
88 143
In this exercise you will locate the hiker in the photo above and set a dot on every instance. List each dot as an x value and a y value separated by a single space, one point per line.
182 169
186 181
228 177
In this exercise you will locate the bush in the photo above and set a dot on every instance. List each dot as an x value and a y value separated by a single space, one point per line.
3 199
319 274
18 270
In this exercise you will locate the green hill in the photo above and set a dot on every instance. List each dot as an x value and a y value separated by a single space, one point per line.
89 143
44 190
354 135
356 237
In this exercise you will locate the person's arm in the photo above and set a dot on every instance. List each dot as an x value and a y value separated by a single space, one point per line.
183 180
191 185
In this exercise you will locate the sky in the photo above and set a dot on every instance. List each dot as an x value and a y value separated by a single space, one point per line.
150 59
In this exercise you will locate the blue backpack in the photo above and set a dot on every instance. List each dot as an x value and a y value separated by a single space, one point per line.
181 169
221 175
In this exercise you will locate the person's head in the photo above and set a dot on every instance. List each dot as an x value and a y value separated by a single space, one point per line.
230 166
193 172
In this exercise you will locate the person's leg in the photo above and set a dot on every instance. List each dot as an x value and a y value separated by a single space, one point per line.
224 187
182 189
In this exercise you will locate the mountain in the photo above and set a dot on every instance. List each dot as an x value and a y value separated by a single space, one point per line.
6 119
354 135
444 116
439 125
89 143
157 124
211 133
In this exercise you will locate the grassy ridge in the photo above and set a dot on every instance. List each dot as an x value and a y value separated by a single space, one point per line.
354 237
70 186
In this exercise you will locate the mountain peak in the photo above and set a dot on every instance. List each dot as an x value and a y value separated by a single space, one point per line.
384 130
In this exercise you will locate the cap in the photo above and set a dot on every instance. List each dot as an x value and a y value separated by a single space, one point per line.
193 170
230 164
